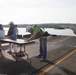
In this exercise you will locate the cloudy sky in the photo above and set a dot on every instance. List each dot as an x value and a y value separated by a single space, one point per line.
37 11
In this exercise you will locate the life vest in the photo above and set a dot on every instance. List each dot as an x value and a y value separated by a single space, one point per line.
10 32
38 33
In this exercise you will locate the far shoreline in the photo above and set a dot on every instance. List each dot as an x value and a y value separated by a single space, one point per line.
47 25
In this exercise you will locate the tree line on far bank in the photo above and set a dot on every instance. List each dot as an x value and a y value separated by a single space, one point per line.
47 25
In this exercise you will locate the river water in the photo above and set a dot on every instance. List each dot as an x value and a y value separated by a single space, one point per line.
52 31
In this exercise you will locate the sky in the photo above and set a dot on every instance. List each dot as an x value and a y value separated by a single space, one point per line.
37 11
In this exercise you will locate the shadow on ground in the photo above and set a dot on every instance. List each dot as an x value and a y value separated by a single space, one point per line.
10 67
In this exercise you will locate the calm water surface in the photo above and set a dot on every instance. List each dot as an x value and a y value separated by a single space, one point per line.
67 32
